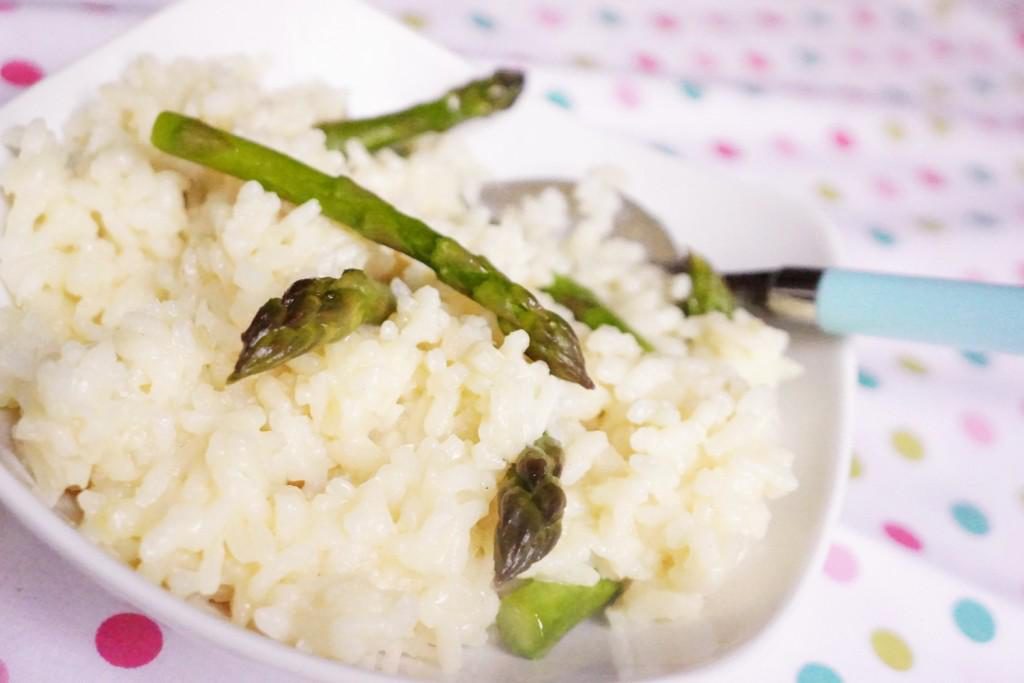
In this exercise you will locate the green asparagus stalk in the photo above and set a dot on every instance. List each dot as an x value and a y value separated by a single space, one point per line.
708 292
588 309
530 507
551 338
536 615
475 99
311 313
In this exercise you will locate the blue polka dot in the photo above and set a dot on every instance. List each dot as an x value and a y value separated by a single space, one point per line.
882 236
970 518
809 57
979 174
981 85
482 21
691 89
974 621
665 148
815 17
558 97
978 358
983 219
906 18
609 16
895 94
817 673
866 379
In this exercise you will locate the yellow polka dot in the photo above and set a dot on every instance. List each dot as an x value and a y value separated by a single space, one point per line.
895 130
892 650
907 445
829 192
940 125
936 90
413 20
856 468
584 61
911 364
930 224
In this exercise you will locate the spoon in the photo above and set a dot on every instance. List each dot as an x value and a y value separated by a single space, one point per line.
970 315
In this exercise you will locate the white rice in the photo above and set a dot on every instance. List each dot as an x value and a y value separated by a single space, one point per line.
344 503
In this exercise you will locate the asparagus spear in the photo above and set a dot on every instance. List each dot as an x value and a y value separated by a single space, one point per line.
530 506
477 98
311 312
708 290
588 309
536 615
551 338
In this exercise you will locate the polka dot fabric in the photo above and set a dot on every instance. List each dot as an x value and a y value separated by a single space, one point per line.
903 121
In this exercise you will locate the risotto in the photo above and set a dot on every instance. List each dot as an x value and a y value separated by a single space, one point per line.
344 502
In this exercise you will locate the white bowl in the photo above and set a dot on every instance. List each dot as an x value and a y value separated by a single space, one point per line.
385 66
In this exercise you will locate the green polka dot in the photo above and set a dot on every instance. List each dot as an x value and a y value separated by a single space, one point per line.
974 620
413 20
828 192
895 130
892 649
913 365
907 445
940 125
584 61
857 469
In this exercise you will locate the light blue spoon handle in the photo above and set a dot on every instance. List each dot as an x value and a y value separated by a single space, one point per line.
967 315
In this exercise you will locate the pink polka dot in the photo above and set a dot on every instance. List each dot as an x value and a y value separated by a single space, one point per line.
647 62
978 428
98 7
129 640
941 47
842 139
726 150
841 565
718 20
20 72
757 61
989 121
1020 271
4 675
975 275
931 177
864 17
627 95
786 147
549 16
665 21
887 188
902 535
705 61
982 51
1020 38
769 19
7 7
901 55
857 56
